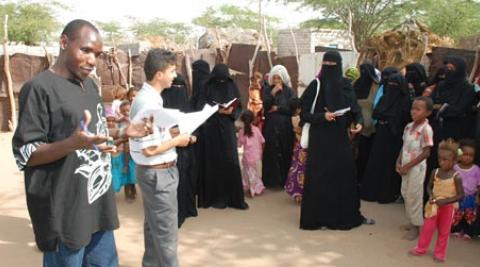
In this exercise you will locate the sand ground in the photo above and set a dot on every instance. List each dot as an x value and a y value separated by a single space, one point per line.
265 235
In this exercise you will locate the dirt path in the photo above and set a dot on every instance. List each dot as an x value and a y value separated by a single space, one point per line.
265 235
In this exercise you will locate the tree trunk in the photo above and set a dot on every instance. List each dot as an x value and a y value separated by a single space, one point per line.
12 122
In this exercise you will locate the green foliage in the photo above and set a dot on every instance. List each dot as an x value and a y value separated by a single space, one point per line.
31 22
110 30
323 23
232 16
453 18
158 27
368 16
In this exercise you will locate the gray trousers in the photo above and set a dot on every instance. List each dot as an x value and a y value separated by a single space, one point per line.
159 191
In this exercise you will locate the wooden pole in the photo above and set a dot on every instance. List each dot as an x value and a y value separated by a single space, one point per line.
296 46
130 70
267 42
12 122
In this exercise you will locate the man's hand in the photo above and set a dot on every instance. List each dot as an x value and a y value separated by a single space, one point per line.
82 138
140 129
193 139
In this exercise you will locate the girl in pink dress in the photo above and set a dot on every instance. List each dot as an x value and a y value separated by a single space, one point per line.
251 139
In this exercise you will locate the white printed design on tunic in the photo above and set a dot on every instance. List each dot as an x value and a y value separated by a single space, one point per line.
96 166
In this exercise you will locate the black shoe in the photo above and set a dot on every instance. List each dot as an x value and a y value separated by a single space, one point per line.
243 206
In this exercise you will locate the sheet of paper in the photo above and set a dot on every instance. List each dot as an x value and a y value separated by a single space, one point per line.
341 112
189 122
228 104
167 118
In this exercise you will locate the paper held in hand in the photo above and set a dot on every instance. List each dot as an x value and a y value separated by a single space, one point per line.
167 118
234 102
341 112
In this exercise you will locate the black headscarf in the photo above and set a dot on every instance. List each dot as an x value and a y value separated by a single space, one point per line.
386 73
200 75
452 88
393 106
363 85
220 87
331 82
417 76
176 96
439 76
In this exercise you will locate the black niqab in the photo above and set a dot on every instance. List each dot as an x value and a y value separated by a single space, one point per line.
200 75
331 82
177 95
417 76
363 85
220 87
452 88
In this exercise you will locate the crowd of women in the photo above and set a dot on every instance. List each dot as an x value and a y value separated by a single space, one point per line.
358 120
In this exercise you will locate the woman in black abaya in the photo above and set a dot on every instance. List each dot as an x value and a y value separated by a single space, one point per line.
278 129
220 178
200 76
330 194
416 78
453 100
176 97
381 182
365 89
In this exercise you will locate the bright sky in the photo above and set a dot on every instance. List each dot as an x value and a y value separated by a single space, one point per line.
173 10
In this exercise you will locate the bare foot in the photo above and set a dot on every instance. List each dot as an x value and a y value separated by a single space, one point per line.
438 260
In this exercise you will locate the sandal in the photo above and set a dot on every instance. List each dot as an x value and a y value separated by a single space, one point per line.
414 252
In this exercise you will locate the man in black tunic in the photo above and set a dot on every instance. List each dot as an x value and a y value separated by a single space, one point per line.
59 144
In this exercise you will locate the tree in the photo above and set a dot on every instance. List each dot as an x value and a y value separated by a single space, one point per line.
112 30
323 23
452 18
158 27
233 16
367 16
31 22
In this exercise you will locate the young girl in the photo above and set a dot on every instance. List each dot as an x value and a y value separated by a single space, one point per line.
444 189
296 173
252 141
119 95
118 175
466 215
128 169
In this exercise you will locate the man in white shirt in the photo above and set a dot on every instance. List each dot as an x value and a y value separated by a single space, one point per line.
156 169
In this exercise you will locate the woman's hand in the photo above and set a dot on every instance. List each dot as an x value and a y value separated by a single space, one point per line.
226 111
357 129
329 116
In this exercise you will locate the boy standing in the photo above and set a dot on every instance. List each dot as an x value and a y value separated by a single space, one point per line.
156 169
412 163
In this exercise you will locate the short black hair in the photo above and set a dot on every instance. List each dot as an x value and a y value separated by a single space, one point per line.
428 102
468 142
158 60
73 28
